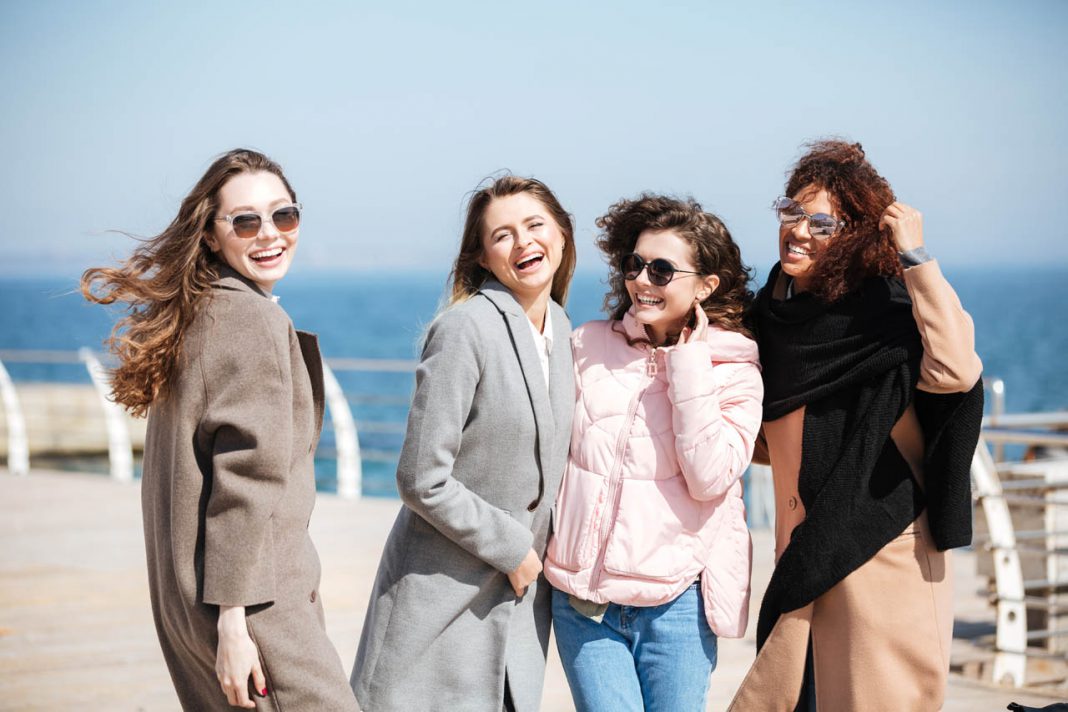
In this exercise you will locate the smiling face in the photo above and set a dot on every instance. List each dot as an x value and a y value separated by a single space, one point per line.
522 246
798 249
665 310
265 258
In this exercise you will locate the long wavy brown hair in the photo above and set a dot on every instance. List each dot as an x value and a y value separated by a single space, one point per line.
468 276
859 195
163 284
715 253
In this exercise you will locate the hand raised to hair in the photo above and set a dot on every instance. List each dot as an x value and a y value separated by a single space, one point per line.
700 327
905 224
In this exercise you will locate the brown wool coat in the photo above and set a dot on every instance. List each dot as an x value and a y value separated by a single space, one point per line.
227 493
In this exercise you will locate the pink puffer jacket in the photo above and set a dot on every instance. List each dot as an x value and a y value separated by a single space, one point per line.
652 494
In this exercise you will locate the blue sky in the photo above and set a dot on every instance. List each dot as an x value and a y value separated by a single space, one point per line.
386 115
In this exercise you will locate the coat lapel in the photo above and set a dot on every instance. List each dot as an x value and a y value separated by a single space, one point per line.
561 369
230 278
309 349
523 342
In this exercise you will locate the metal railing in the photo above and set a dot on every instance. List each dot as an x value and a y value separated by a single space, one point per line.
1037 492
120 448
18 451
1000 488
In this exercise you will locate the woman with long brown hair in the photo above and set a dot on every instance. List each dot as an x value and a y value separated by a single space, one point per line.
459 615
872 409
233 395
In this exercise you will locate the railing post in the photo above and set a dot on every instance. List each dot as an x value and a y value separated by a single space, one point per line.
18 449
120 447
761 497
1010 660
349 467
997 409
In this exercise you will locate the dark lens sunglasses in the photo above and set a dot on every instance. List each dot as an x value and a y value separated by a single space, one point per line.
248 225
661 272
820 225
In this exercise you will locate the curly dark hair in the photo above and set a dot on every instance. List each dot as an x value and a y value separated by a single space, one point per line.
714 253
859 195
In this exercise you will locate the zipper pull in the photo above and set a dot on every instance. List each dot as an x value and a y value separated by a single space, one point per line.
650 365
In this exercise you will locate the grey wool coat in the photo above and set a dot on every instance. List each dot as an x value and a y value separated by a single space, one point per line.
227 492
479 471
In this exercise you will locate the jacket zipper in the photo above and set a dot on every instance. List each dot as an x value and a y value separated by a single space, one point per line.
609 517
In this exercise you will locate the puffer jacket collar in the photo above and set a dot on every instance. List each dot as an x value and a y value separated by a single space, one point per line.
727 346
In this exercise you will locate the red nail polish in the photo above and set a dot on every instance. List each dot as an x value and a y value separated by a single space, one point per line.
263 692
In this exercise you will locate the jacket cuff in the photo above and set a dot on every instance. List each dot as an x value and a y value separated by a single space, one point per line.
689 369
236 576
510 550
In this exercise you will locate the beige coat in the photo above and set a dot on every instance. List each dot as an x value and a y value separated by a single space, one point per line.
227 492
880 638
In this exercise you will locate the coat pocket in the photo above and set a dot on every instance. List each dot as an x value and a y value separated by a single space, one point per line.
655 534
576 518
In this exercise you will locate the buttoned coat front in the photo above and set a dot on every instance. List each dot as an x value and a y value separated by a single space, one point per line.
482 460
227 493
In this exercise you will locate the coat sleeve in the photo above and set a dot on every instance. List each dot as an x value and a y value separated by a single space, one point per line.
446 383
248 420
715 414
949 363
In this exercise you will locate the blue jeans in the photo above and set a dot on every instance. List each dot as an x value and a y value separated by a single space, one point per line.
655 658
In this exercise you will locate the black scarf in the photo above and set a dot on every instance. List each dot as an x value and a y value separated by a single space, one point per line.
854 365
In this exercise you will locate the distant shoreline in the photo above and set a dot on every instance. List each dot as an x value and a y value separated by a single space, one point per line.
17 273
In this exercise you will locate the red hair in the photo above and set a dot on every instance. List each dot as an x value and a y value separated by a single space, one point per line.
859 195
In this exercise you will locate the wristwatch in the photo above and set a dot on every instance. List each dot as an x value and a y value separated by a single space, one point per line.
913 257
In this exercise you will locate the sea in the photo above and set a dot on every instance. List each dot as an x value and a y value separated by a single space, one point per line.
1020 315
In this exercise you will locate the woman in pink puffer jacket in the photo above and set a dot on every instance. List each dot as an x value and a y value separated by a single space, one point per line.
651 557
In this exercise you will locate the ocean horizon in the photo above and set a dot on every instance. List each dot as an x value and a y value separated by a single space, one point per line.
1019 315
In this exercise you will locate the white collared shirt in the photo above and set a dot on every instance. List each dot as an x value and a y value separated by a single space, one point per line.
543 343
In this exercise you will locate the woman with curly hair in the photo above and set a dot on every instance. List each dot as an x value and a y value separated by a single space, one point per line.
234 397
872 409
650 559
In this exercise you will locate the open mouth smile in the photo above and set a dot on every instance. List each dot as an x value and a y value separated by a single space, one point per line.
648 300
267 256
529 263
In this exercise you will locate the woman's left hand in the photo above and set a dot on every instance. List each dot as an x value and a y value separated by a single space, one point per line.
905 224
700 327
526 574
237 659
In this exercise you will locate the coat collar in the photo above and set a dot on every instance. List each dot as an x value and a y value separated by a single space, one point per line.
230 278
633 329
501 297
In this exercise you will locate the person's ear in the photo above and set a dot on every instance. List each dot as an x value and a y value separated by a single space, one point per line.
709 285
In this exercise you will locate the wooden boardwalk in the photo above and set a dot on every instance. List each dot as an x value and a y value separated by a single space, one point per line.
76 630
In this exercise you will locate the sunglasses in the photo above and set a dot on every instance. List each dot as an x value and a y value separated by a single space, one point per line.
660 273
820 225
248 225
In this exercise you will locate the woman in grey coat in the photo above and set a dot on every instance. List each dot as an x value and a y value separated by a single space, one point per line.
459 616
236 409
